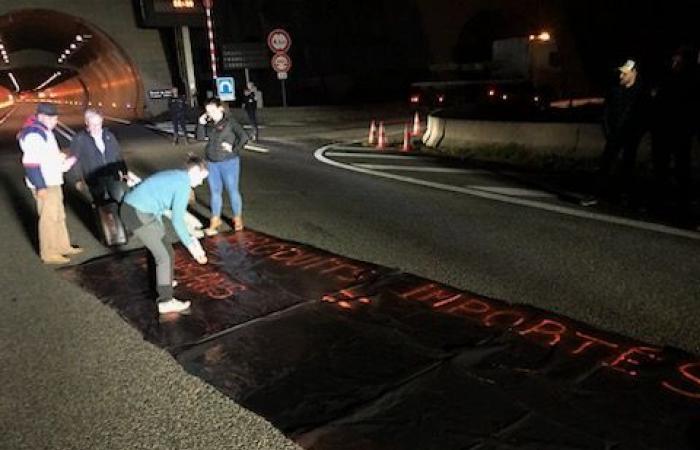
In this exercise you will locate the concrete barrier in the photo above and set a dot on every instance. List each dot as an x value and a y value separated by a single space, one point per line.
570 140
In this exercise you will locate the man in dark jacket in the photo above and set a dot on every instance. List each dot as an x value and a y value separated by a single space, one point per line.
675 122
226 140
100 162
178 116
250 104
624 122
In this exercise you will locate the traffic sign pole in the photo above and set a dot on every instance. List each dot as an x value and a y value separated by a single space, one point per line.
284 94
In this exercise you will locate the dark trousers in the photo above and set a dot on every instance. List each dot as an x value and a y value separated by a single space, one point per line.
179 123
672 144
253 119
106 189
151 231
628 145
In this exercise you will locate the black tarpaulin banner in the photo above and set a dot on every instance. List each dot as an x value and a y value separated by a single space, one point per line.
342 354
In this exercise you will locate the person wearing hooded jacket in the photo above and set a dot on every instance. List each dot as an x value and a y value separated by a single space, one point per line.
226 140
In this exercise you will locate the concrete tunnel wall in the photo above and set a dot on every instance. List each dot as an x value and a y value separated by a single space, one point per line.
122 76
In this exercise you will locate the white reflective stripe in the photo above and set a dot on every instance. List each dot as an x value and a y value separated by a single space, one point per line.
118 120
514 191
377 156
255 148
422 169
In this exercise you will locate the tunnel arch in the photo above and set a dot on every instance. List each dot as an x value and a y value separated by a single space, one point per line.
98 72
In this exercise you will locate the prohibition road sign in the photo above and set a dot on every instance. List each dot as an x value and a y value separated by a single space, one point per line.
281 62
279 40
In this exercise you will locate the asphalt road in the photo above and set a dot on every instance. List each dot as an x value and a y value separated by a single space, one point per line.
635 282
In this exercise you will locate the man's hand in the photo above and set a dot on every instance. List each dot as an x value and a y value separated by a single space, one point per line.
80 186
227 147
41 194
203 119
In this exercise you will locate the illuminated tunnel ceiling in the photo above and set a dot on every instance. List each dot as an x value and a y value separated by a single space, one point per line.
97 71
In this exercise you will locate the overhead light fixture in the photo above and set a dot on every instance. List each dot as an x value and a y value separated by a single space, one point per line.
78 38
73 46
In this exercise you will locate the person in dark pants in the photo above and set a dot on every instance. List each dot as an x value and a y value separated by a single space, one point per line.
100 163
226 140
178 116
142 213
624 122
675 121
250 104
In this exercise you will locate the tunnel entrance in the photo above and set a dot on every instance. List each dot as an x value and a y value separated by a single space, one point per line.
47 55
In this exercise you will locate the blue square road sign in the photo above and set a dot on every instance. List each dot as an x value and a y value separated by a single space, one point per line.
226 89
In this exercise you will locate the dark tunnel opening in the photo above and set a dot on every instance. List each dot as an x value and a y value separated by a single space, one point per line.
47 55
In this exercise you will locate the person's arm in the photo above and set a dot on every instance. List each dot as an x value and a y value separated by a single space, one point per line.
121 166
179 211
241 136
179 208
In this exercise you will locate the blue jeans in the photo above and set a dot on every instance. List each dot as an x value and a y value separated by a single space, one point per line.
225 174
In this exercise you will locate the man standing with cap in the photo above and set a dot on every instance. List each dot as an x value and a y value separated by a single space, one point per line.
44 165
624 122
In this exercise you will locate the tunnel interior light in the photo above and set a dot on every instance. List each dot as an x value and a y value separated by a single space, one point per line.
49 80
14 80
3 52
79 40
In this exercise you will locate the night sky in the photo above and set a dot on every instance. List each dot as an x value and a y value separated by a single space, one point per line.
369 49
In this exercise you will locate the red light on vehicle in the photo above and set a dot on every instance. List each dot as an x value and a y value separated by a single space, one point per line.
492 92
415 98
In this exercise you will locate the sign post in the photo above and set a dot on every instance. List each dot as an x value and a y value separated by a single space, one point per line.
279 42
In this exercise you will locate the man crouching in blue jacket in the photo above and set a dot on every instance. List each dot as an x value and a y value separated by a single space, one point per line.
142 213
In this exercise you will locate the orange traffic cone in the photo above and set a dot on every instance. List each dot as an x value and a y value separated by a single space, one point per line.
416 124
372 138
382 141
406 139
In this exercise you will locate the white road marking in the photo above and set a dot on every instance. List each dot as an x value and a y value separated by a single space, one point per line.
256 148
377 156
65 131
118 120
7 116
422 169
514 191
319 155
166 129
169 130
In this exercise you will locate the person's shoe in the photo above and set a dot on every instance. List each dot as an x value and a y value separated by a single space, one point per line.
588 201
237 223
214 225
172 306
57 259
74 251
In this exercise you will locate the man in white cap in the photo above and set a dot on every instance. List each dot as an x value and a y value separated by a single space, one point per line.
625 121
44 165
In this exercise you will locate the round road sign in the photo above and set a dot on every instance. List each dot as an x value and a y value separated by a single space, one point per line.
279 40
281 62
